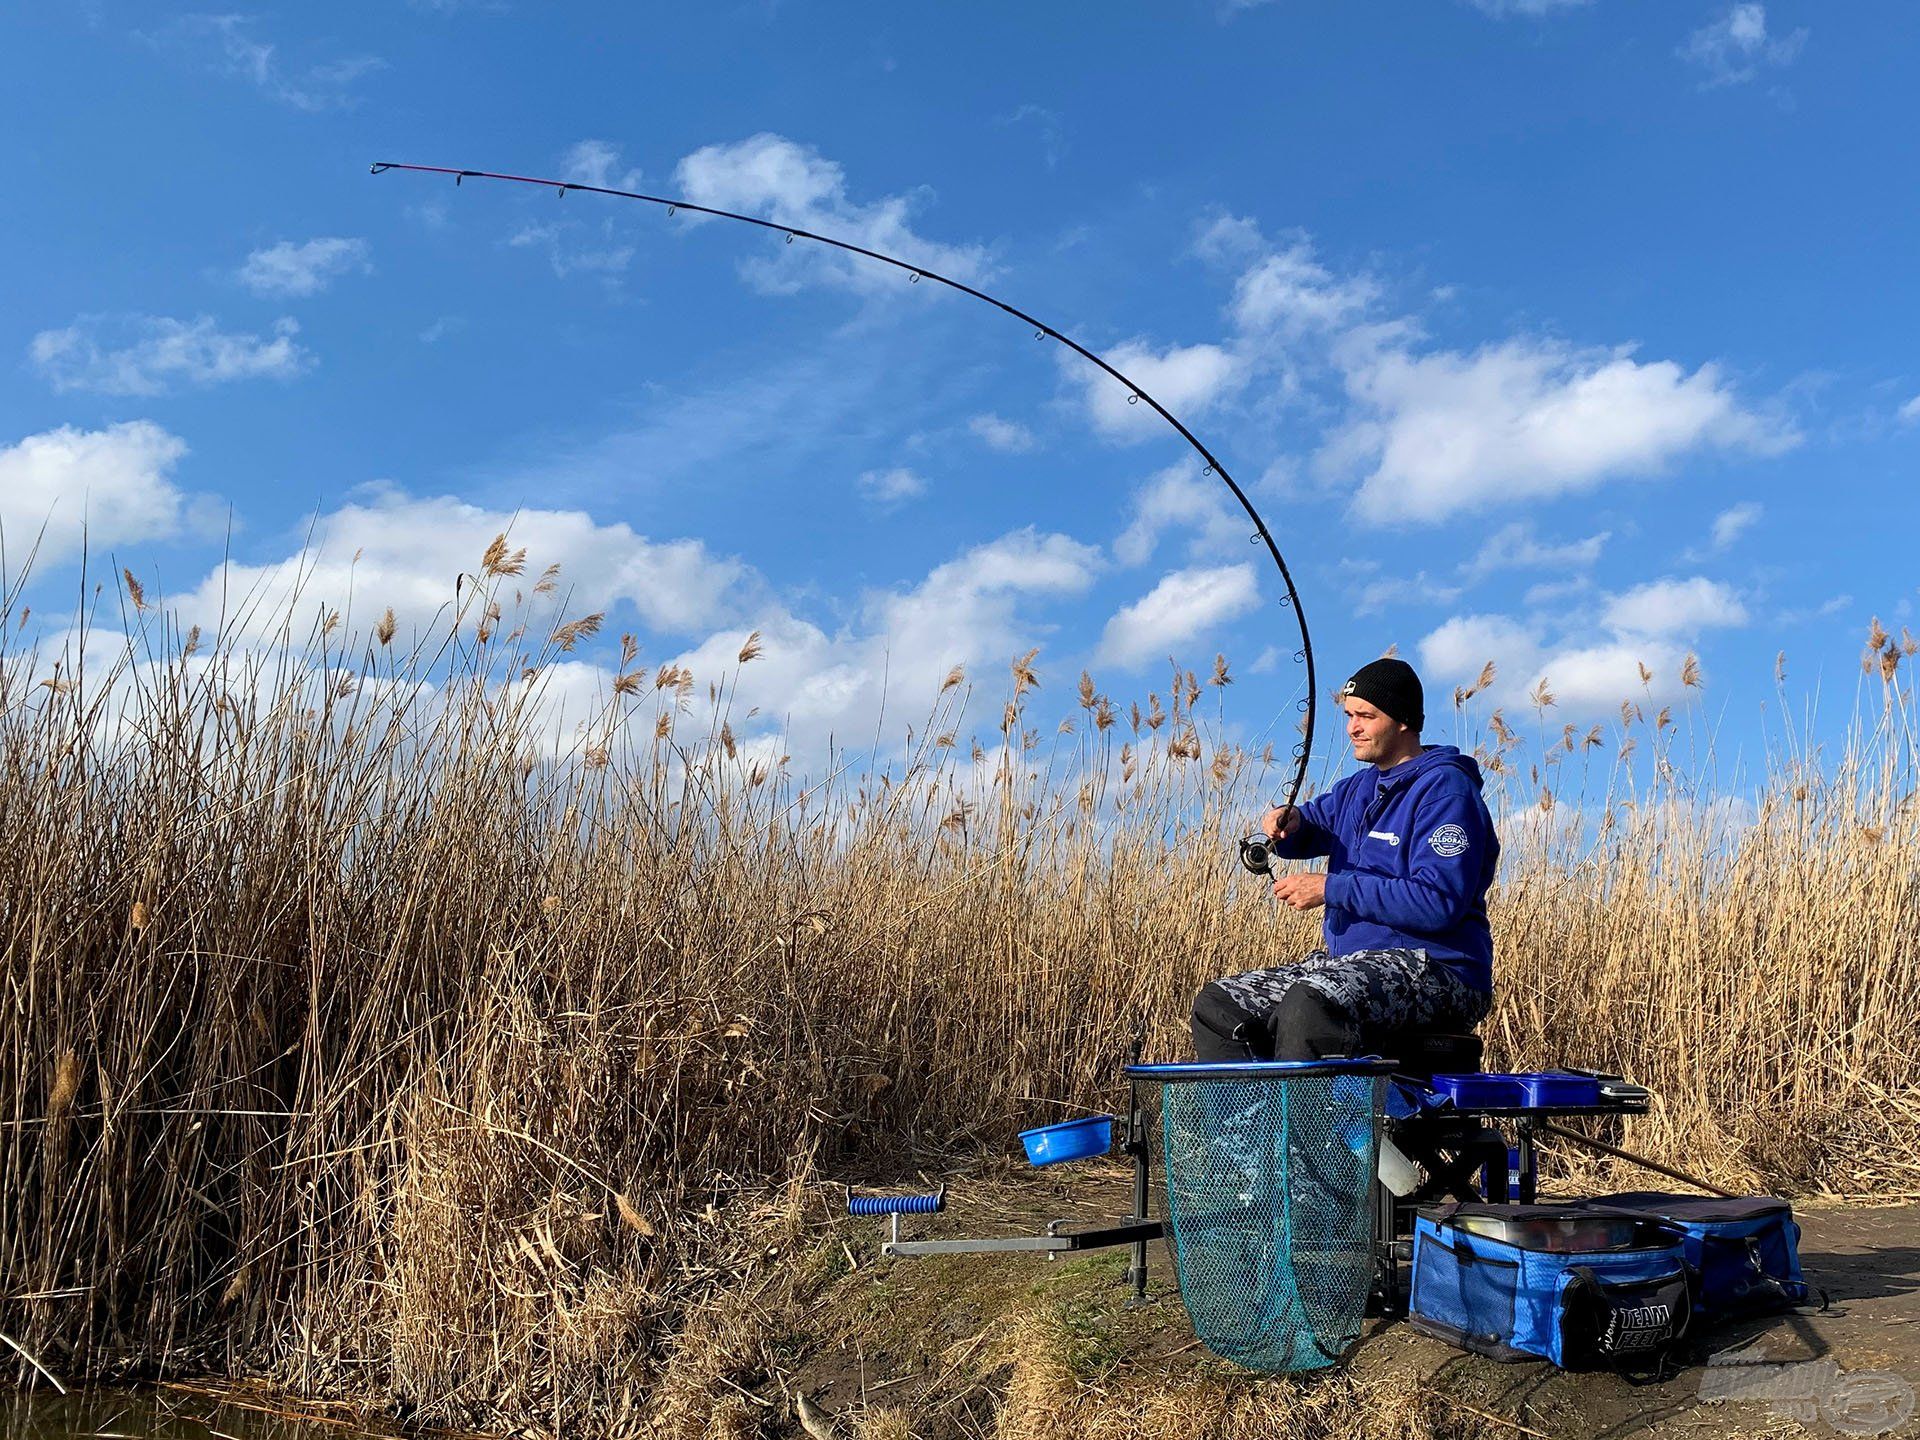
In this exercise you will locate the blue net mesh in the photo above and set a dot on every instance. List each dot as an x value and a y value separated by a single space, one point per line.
1269 1191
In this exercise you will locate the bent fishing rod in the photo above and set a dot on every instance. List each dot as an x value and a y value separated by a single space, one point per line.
1136 395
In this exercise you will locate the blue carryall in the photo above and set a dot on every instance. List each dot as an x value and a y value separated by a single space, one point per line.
1744 1252
1532 1298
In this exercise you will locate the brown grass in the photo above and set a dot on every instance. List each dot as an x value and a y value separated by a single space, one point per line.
355 1037
1047 1399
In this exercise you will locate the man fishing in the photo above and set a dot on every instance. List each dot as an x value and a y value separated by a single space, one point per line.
1411 851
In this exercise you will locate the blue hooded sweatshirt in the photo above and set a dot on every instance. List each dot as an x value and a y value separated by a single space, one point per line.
1410 856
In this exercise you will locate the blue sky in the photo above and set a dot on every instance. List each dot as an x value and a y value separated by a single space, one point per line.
1574 336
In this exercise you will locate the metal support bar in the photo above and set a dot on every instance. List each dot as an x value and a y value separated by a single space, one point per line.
1529 1162
1132 1232
1653 1165
1385 1296
1142 1154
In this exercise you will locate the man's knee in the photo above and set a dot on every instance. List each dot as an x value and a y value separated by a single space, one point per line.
1223 1028
1307 1025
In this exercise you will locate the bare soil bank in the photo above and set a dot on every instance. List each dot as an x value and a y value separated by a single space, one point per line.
935 1348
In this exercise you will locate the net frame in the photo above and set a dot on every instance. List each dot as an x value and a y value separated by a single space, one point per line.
1269 1173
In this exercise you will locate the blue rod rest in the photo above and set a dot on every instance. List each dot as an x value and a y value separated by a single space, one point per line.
896 1204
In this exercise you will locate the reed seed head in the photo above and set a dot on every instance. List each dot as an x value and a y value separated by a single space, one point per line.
65 1086
574 631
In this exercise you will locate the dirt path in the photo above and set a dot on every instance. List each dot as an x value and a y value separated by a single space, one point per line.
923 1337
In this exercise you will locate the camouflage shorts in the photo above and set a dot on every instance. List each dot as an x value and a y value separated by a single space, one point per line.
1380 989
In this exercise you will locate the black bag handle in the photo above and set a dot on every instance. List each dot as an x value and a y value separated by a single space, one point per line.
1584 1298
1750 1249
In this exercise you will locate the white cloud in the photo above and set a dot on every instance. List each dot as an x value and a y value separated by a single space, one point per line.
1730 524
147 354
1455 652
1735 47
293 271
810 687
971 611
968 607
1516 547
1447 432
1178 497
1651 625
1291 292
393 549
229 44
597 163
1186 379
1533 9
100 487
1176 612
1826 610
966 610
1422 433
1910 412
1280 291
1372 591
1585 679
1053 138
791 184
606 260
1594 678
1021 561
1008 436
892 487
1552 591
1224 239
1675 607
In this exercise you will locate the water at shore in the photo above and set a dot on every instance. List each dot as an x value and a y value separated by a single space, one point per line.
160 1414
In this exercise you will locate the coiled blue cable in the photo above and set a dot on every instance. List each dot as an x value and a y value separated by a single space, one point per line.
895 1204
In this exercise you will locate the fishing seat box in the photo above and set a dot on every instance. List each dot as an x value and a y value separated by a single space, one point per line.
1515 1299
1744 1253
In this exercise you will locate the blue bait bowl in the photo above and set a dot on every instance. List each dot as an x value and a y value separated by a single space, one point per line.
1069 1140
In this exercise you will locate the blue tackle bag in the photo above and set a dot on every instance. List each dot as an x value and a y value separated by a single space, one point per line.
1744 1253
1583 1288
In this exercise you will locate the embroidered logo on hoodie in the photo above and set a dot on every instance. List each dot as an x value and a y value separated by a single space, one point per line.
1448 840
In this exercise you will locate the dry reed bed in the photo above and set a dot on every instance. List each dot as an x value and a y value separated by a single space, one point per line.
358 1037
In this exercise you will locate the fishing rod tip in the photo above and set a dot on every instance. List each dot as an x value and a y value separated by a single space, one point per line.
379 166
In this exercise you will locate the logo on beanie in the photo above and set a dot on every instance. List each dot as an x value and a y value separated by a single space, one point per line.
1448 840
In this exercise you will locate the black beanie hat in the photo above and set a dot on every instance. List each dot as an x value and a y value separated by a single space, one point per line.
1390 686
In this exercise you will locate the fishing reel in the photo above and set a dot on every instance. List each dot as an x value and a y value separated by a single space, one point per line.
1256 853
